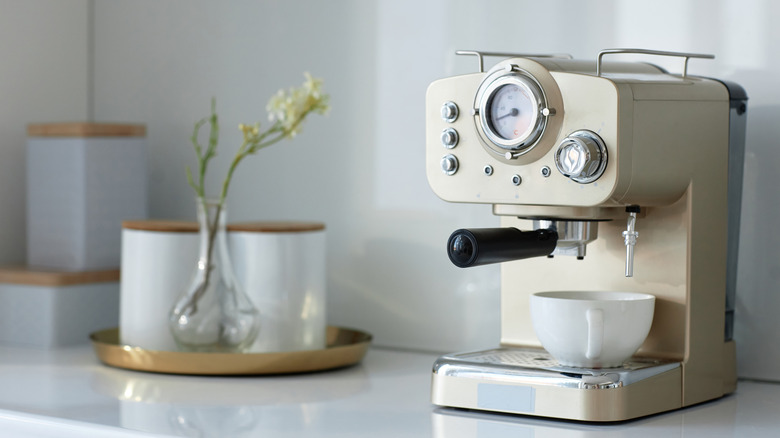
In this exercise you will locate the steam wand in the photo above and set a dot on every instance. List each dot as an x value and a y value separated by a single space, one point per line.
630 236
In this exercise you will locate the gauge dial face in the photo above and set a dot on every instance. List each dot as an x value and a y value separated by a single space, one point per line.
510 112
513 112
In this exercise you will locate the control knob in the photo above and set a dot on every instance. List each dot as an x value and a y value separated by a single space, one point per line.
582 157
449 138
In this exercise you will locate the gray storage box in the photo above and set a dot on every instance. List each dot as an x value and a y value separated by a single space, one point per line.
53 309
83 180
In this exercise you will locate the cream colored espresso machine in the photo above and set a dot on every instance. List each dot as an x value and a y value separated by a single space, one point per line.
580 158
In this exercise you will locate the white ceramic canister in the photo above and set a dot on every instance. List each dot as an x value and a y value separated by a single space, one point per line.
280 265
83 179
50 309
158 258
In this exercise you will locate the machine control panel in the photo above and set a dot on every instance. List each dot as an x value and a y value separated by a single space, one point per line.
492 136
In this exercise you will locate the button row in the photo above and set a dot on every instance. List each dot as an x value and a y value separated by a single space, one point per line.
450 164
449 137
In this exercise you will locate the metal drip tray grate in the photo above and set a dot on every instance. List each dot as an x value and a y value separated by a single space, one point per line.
522 358
536 366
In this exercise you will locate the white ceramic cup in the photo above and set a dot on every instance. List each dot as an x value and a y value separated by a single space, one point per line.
592 329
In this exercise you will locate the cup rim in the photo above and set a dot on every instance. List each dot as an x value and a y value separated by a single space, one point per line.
594 296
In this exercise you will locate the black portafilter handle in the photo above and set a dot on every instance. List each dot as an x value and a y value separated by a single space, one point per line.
482 246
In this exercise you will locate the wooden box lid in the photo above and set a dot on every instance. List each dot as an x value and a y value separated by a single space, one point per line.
40 277
85 129
175 226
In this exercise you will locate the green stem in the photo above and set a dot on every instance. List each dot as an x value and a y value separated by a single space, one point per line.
212 234
237 159
199 153
211 230
243 153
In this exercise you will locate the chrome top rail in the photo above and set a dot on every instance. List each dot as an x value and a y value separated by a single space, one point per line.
687 56
481 55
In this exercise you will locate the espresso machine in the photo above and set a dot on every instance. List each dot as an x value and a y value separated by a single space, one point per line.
580 158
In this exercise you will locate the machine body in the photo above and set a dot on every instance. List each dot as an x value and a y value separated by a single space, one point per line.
641 167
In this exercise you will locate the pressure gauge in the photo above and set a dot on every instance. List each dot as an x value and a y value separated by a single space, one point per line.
512 112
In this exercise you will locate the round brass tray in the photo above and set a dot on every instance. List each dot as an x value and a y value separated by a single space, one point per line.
345 347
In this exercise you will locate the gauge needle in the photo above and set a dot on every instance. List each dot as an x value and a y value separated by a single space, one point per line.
512 113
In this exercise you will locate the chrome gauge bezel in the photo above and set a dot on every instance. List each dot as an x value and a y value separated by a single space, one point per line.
487 91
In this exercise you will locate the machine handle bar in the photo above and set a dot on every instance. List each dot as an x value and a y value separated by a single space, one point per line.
687 56
481 55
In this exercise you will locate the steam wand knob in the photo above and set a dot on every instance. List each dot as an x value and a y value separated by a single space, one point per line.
630 236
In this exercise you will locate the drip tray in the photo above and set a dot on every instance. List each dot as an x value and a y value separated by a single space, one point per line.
537 367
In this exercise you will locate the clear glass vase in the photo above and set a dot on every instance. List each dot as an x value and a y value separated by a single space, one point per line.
213 314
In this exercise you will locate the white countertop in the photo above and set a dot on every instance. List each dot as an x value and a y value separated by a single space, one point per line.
68 392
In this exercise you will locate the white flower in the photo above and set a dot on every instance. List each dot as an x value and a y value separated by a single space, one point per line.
291 107
250 131
287 112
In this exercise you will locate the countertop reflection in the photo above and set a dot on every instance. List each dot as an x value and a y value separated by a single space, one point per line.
387 395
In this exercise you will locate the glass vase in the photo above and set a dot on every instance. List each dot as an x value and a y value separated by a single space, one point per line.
213 314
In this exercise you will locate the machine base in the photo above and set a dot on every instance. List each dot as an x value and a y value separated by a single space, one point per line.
529 381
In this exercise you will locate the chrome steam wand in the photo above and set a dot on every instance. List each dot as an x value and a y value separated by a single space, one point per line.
630 236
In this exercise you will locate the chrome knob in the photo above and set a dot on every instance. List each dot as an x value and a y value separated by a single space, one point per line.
449 138
449 164
449 111
582 156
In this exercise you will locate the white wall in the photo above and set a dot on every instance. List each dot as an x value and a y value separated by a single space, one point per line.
360 169
43 78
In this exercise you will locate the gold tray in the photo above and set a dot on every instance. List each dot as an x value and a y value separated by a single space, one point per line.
345 347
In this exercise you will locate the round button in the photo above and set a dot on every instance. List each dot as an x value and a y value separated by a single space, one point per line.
449 164
449 138
516 180
582 156
449 111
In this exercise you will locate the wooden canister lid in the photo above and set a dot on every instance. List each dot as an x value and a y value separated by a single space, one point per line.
40 277
161 225
175 226
276 227
85 129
